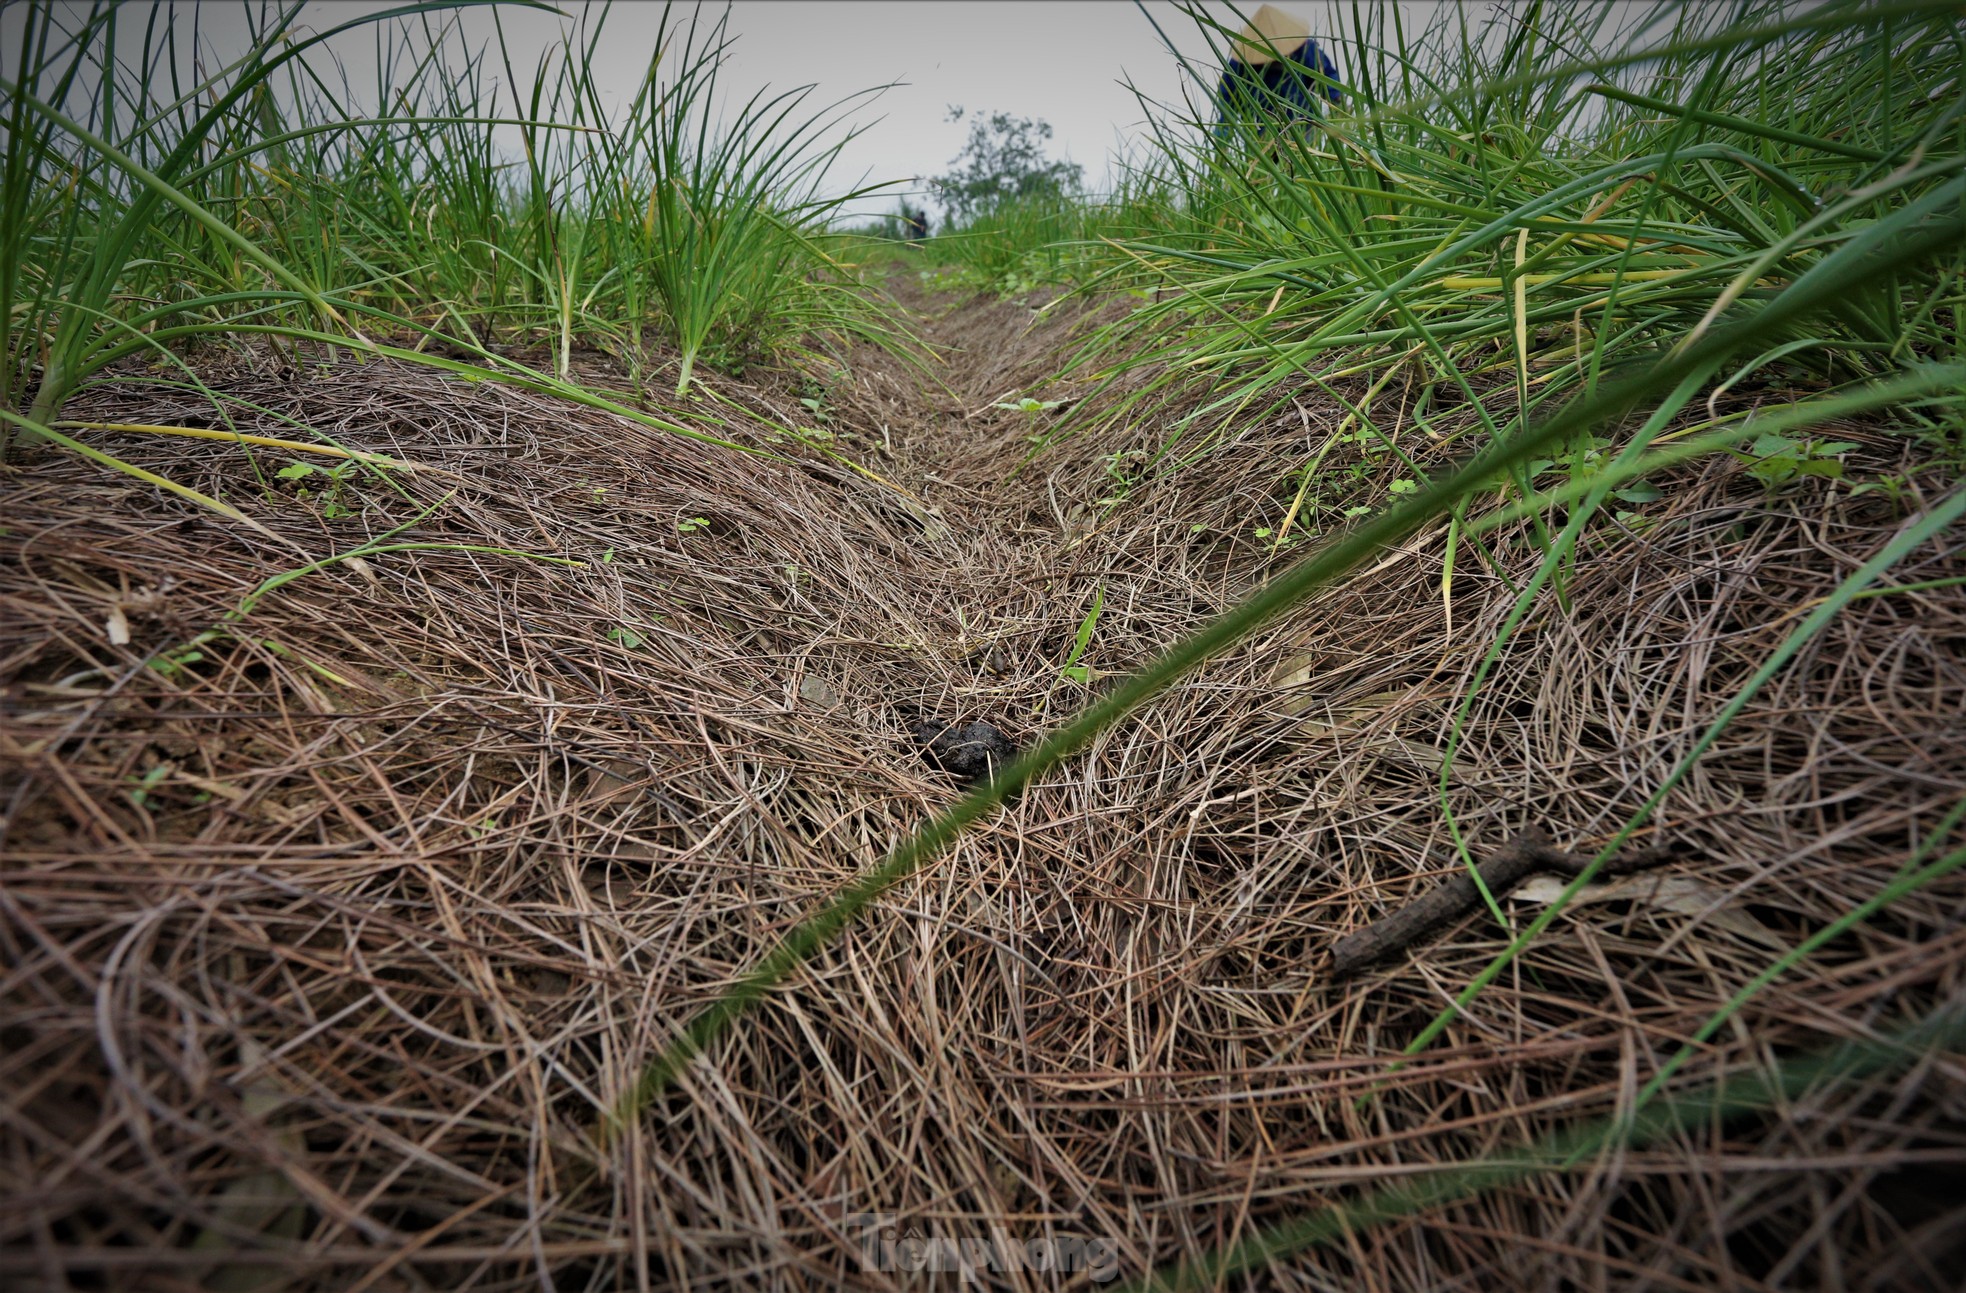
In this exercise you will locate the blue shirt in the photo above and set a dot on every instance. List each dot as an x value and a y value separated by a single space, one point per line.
1285 87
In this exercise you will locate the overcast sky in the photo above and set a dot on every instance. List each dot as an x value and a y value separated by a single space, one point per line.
1067 62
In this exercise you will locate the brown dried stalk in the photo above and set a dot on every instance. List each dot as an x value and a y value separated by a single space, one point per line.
1529 852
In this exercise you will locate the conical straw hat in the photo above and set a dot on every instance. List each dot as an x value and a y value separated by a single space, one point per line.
1270 35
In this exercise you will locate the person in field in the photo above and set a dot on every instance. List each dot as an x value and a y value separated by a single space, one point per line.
1277 73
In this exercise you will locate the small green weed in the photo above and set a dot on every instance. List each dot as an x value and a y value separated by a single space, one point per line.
335 482
148 782
1082 673
1120 468
1030 406
1291 540
1776 461
170 663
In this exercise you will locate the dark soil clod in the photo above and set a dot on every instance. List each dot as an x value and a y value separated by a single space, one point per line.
970 752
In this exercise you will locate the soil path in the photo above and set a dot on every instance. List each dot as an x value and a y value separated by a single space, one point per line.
1022 533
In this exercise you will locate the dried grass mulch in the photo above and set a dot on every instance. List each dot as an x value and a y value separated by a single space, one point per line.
325 949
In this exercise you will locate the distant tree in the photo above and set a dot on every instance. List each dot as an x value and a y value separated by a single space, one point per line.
1004 161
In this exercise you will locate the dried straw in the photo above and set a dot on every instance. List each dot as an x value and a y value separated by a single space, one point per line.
325 950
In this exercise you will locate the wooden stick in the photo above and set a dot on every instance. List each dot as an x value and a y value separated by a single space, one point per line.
1527 853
